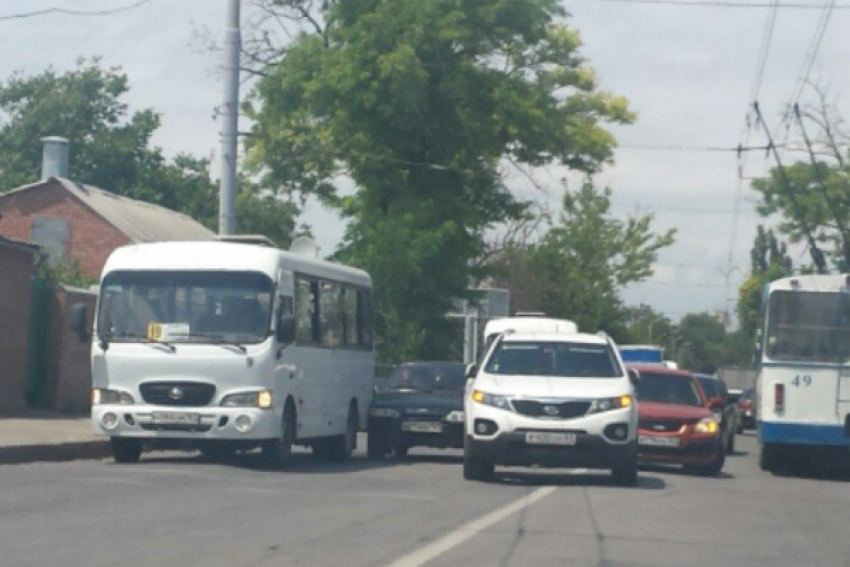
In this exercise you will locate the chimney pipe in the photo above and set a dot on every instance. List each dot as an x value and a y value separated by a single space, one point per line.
54 162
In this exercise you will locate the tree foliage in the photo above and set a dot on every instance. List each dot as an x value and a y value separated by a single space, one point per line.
769 261
813 195
111 148
580 265
419 103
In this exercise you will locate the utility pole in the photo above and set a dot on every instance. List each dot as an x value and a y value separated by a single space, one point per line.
230 119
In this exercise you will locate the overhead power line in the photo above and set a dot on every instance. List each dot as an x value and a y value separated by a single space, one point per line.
68 12
722 149
728 4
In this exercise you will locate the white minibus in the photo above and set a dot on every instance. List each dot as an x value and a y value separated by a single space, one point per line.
230 346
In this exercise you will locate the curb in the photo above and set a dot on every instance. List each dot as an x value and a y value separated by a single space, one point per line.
55 453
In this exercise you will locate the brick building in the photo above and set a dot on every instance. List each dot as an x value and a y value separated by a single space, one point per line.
84 224
17 265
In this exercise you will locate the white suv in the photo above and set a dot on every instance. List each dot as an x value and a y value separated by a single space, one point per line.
552 400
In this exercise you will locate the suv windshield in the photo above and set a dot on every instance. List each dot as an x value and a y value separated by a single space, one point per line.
562 359
668 389
185 306
446 376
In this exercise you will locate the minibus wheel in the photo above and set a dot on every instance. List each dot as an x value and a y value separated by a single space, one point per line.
125 450
278 452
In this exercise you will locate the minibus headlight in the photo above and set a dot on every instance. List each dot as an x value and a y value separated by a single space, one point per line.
261 399
493 400
104 396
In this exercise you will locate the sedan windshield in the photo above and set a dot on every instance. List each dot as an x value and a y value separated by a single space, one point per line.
562 359
710 387
185 306
424 376
668 389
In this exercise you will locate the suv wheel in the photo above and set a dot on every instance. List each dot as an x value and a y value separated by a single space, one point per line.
626 475
475 467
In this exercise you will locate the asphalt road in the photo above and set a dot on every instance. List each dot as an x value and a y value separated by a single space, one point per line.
176 509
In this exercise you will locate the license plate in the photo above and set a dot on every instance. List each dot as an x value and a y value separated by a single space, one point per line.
176 418
422 427
658 441
550 438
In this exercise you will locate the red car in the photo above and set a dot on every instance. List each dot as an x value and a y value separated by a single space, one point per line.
676 424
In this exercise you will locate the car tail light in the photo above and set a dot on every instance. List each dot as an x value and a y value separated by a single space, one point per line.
779 396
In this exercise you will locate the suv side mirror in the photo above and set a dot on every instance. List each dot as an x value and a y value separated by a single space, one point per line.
286 329
79 321
634 376
471 370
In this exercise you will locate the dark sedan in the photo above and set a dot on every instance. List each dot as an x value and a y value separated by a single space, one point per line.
420 405
726 412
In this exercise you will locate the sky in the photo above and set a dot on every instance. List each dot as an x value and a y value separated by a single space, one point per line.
688 72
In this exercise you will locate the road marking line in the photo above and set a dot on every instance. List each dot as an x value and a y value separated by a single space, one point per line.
470 530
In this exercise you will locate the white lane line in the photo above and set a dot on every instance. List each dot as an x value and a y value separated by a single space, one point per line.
470 530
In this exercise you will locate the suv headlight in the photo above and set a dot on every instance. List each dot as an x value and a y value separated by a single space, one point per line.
261 399
103 396
707 425
494 400
383 412
608 404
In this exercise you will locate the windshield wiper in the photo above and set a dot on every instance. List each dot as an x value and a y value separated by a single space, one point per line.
215 339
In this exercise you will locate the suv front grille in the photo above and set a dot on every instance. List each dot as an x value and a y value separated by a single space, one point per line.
184 394
562 410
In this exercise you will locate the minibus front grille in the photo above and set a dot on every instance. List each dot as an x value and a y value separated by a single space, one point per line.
562 410
183 394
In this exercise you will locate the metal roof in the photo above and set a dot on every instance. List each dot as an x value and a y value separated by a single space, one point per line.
138 220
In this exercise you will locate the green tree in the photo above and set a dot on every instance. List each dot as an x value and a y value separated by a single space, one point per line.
110 148
769 261
577 269
648 326
419 103
701 343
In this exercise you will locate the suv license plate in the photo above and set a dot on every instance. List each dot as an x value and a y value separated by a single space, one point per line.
422 427
176 418
550 438
658 441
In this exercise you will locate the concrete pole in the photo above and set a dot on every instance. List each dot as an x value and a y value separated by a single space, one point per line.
230 120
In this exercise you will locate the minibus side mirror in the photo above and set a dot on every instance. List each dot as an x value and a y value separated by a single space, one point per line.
634 376
79 321
286 329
